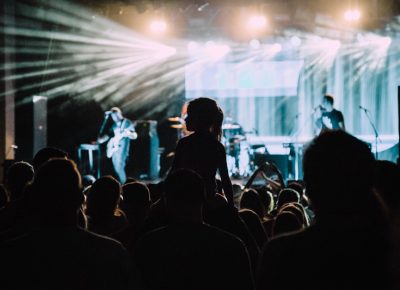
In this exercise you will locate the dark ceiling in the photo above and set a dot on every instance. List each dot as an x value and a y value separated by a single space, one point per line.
205 18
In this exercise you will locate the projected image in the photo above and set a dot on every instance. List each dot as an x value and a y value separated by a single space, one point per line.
261 79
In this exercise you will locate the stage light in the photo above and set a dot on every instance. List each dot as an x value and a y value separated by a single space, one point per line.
96 57
320 51
158 26
352 15
254 43
257 22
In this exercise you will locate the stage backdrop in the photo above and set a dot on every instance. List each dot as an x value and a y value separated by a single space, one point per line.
276 98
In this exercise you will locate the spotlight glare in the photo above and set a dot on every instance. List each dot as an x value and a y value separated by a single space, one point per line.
166 51
352 15
158 26
257 22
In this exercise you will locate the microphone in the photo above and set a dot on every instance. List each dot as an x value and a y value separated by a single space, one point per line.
362 108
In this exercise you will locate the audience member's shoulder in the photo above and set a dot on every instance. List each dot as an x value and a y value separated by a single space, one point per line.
152 236
199 231
220 146
100 240
225 237
295 239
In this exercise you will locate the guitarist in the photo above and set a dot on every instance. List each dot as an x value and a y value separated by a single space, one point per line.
118 139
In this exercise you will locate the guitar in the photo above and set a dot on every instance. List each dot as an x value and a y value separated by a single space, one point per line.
114 142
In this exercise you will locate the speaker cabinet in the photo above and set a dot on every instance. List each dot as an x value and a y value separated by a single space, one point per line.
144 161
39 123
31 127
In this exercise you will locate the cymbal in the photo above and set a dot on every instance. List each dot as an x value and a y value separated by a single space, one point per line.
230 126
174 119
237 139
177 126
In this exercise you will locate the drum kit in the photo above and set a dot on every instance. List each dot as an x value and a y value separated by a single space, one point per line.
239 154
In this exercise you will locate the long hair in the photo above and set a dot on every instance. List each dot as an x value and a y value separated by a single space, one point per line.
206 115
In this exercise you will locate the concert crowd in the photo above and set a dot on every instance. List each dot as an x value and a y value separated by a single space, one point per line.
338 228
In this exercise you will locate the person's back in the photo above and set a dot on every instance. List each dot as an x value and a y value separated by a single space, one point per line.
188 254
202 154
65 258
102 208
58 254
14 218
324 258
348 246
193 256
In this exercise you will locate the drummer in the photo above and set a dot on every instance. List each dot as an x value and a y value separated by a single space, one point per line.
232 132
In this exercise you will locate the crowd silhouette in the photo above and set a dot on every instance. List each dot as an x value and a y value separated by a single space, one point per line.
339 228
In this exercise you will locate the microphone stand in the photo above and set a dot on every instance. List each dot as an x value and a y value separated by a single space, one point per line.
374 128
103 124
294 125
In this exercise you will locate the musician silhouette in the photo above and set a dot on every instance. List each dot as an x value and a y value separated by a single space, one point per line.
118 139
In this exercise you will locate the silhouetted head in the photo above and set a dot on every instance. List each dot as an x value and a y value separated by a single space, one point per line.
327 102
17 177
297 186
136 198
46 154
338 172
297 209
184 192
204 115
267 198
285 222
386 182
56 192
103 197
252 200
287 195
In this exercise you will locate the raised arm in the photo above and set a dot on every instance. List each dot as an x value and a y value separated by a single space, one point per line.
225 179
